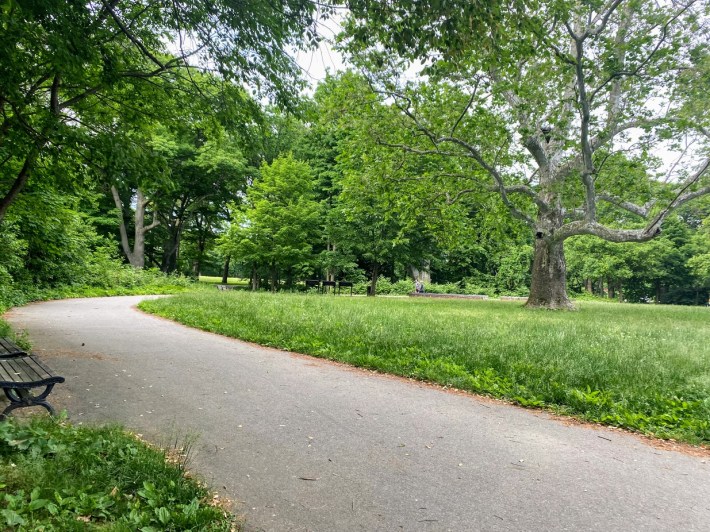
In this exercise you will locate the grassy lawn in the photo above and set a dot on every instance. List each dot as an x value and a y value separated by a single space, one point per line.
57 477
646 368
218 280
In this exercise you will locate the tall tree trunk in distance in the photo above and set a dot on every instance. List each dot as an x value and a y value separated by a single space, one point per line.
659 292
373 280
549 276
197 264
424 275
136 256
330 275
254 277
171 249
225 270
274 277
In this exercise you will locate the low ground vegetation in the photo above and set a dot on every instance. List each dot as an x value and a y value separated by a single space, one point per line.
644 368
386 287
54 476
57 477
119 280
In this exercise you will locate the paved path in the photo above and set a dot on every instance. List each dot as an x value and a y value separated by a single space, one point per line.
304 444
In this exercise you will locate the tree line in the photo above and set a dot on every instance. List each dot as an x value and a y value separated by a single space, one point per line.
518 161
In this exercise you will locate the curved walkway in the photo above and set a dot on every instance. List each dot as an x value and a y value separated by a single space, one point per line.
302 444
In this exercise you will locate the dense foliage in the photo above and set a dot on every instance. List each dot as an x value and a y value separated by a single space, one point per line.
115 148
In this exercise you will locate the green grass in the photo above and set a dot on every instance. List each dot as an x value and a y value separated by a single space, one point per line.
645 368
218 280
57 477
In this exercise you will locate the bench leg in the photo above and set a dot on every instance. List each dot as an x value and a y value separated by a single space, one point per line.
20 398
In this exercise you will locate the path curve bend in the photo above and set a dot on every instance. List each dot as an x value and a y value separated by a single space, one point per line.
301 444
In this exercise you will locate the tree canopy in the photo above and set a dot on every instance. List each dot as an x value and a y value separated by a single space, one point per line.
65 64
539 108
486 146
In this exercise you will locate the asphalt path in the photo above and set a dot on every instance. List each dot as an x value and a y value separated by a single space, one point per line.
303 444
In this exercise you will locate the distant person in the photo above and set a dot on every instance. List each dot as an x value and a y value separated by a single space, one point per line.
418 287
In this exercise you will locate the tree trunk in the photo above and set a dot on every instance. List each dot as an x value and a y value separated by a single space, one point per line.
549 276
330 274
588 285
197 263
254 278
373 280
225 271
659 292
136 256
171 248
424 275
19 183
274 277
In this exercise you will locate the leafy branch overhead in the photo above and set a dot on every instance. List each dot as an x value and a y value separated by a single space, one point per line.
64 64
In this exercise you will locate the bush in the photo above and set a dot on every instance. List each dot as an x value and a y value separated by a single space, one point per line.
447 288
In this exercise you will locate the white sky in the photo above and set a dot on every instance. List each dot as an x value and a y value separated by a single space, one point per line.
317 63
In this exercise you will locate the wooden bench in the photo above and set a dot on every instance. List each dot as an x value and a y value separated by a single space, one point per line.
9 349
345 284
19 374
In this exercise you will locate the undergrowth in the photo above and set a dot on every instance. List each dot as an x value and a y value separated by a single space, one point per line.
54 476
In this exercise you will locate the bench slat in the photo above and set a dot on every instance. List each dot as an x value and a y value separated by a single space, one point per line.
9 349
5 376
26 372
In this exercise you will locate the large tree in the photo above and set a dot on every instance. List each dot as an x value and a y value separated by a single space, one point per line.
61 60
275 228
536 99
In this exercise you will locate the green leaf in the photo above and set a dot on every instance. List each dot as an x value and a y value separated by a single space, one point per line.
12 518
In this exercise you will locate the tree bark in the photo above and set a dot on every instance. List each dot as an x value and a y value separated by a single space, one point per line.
549 276
135 256
330 274
225 271
373 280
424 275
201 246
274 277
19 183
170 250
254 278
